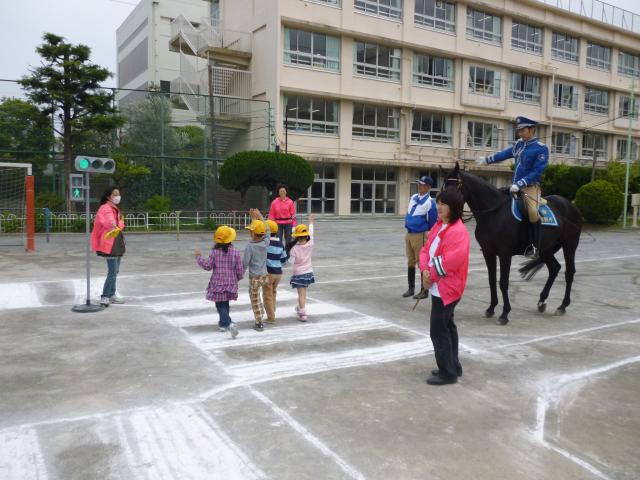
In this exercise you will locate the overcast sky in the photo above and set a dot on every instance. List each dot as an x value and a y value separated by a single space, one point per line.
92 22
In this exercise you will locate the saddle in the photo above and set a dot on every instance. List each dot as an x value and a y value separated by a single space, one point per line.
547 217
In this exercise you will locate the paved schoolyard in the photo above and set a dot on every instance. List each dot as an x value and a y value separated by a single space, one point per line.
150 389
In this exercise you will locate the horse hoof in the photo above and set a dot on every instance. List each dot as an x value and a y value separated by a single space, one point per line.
489 313
560 311
502 320
542 306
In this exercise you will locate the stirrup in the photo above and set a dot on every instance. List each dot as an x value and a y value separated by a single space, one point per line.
531 252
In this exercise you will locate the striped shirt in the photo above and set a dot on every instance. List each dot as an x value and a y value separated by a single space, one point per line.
276 256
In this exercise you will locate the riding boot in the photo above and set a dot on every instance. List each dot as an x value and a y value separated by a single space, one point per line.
533 250
411 277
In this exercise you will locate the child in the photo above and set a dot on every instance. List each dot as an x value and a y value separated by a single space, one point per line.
255 259
226 264
301 248
276 257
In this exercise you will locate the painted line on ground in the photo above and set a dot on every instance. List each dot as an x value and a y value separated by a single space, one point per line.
21 456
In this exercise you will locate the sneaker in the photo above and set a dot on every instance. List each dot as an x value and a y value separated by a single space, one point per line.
104 301
302 314
258 327
116 300
234 330
222 329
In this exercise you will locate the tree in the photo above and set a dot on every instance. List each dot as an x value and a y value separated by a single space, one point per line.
148 130
267 169
68 86
25 131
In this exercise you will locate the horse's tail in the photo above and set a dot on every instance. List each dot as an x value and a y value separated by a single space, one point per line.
530 268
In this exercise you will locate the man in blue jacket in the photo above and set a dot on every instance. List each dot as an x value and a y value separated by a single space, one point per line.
421 216
532 158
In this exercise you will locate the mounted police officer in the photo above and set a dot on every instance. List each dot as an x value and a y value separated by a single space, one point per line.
421 216
532 158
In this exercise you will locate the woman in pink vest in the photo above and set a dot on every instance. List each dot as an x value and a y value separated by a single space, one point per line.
444 262
283 212
111 246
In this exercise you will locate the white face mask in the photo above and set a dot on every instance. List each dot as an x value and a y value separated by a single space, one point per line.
116 200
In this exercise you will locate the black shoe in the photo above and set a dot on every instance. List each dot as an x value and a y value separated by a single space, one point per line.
423 294
409 293
258 327
436 380
436 372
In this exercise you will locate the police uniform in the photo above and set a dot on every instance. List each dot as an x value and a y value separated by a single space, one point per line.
532 158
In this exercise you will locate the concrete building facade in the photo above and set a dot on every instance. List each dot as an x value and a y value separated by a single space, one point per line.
376 92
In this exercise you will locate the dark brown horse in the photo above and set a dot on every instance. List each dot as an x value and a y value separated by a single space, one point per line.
501 236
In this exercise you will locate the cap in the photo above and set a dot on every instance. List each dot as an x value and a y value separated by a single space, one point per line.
301 231
273 226
224 234
524 122
425 180
257 226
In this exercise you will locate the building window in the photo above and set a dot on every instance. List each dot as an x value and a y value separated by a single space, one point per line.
377 61
564 47
376 122
373 190
526 37
311 49
525 88
432 71
512 134
596 101
621 149
591 141
482 135
629 64
624 107
436 14
321 195
484 26
484 81
311 115
337 3
383 8
432 128
598 56
565 96
563 143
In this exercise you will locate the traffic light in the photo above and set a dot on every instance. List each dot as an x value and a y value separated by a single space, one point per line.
76 187
95 164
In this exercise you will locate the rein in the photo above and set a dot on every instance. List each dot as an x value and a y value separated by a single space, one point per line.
480 212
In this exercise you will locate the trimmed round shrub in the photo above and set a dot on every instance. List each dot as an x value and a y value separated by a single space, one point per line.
267 169
600 202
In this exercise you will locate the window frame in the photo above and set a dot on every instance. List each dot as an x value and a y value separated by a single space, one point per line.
491 91
374 7
311 55
493 139
393 73
559 102
523 95
564 54
432 80
625 69
431 137
596 62
621 153
571 144
587 151
597 107
441 23
481 33
527 45
375 132
315 126
623 110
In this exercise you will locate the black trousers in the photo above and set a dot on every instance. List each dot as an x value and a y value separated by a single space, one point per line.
444 336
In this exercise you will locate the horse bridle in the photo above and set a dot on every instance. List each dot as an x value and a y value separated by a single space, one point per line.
459 185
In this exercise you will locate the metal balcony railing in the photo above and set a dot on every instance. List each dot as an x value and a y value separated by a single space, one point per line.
600 11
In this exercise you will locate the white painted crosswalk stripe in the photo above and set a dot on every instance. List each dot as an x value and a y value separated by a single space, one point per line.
200 302
20 455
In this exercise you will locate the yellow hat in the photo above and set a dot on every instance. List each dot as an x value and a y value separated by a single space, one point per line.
224 234
301 231
257 226
273 226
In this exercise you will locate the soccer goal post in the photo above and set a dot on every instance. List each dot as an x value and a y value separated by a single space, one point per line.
17 206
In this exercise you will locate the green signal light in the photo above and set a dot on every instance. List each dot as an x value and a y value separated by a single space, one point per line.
76 193
83 163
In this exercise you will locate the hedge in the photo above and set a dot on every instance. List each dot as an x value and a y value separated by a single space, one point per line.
600 202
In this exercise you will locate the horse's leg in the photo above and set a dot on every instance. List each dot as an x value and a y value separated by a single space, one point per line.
570 270
490 260
505 267
553 266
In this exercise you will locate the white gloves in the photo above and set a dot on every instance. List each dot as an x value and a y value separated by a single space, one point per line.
514 188
481 161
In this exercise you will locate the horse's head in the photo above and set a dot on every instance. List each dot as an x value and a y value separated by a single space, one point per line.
452 179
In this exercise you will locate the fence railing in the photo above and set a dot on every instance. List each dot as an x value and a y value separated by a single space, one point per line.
140 221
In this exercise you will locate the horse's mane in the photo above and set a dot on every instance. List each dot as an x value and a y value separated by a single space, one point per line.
476 182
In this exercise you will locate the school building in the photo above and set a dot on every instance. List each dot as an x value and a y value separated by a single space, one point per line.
377 92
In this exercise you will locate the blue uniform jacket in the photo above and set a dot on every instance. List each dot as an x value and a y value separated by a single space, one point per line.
421 214
532 158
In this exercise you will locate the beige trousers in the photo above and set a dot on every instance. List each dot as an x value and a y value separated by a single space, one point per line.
269 291
531 195
255 295
413 244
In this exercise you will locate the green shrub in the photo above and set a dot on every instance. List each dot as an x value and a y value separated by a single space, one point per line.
158 204
600 201
52 201
267 169
564 180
